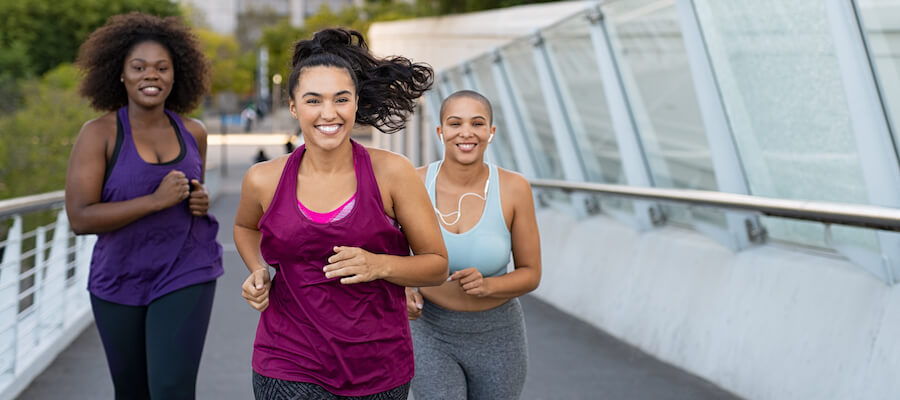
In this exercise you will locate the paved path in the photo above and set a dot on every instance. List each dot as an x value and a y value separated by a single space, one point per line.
568 359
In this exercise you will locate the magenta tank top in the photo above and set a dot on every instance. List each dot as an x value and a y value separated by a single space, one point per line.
353 340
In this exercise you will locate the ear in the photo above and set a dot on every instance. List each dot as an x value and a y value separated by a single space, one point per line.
440 134
293 108
493 131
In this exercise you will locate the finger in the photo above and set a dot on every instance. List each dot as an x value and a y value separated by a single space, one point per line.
342 253
469 279
259 280
471 285
418 300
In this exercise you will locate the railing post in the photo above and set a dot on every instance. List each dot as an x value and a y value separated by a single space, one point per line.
743 228
634 163
513 117
877 153
53 306
9 301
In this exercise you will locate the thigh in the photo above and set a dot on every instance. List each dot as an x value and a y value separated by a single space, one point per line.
176 331
497 363
121 330
438 374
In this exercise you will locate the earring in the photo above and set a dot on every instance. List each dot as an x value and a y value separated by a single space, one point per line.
121 79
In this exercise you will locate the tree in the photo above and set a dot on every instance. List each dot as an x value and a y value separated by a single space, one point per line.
35 141
38 35
232 71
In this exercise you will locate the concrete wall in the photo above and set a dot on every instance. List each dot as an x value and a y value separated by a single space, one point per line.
771 322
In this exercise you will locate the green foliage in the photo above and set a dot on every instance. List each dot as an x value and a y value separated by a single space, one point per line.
231 69
38 35
35 141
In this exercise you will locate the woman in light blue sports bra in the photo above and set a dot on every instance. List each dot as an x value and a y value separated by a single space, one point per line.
469 333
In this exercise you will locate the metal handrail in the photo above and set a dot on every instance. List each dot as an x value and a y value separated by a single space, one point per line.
860 215
26 204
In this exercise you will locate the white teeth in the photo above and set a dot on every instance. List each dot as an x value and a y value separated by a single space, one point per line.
150 90
466 146
328 128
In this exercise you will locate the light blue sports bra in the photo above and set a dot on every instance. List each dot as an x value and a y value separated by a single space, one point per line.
487 245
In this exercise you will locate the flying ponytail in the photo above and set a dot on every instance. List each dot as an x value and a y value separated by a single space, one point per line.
387 87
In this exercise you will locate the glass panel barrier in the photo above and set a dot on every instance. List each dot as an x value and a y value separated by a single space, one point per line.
780 83
649 49
880 20
523 81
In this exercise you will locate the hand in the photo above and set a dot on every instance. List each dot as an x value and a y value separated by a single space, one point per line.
199 199
173 189
354 264
471 281
256 289
414 303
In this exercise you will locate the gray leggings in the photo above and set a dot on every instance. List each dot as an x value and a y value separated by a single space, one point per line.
470 355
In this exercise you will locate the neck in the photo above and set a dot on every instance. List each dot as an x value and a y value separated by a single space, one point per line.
143 117
464 174
320 161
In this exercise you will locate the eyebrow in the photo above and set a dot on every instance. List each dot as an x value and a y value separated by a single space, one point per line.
143 60
475 117
342 92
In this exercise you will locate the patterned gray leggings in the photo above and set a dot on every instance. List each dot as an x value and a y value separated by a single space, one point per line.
470 355
265 388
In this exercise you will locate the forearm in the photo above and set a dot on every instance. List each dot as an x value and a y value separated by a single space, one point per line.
246 240
521 281
106 217
414 271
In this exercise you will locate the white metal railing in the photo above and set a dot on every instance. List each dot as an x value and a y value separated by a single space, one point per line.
43 302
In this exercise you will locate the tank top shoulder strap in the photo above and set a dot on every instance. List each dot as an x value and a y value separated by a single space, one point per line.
286 191
184 135
492 203
117 147
367 185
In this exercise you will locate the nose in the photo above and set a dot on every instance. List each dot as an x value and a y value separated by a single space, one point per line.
328 111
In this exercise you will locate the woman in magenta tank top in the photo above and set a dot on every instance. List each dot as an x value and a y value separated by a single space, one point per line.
328 218
135 179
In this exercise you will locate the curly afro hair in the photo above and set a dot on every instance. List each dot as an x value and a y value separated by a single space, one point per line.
102 58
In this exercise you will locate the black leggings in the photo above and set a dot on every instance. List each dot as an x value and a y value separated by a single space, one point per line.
154 351
265 388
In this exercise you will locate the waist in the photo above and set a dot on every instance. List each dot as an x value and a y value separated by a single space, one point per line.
452 297
507 314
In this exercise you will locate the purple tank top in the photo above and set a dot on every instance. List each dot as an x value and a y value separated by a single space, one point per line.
353 340
160 252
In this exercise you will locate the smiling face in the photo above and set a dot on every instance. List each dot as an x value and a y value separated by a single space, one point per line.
148 74
466 130
324 103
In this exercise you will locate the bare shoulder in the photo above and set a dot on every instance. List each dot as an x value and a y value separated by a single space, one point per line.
195 127
102 127
265 175
387 162
513 182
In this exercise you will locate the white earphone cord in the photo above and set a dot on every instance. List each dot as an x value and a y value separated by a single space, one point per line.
443 216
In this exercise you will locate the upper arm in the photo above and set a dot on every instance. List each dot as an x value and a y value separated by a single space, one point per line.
257 190
198 130
411 205
526 241
87 165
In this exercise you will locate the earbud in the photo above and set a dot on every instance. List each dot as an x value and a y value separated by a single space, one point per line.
491 138
440 136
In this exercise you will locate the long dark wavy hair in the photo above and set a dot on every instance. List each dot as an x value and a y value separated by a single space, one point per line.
102 58
387 87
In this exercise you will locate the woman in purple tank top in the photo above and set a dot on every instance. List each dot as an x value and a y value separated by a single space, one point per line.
328 218
135 179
